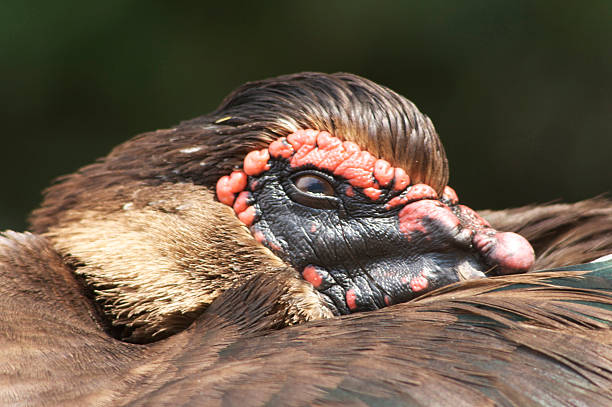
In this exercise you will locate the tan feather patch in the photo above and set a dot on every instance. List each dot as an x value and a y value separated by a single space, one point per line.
160 259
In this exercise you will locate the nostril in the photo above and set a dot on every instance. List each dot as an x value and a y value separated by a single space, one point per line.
509 252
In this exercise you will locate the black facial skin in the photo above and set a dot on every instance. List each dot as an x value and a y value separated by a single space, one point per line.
353 242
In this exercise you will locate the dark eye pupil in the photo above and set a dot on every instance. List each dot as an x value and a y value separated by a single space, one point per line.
312 184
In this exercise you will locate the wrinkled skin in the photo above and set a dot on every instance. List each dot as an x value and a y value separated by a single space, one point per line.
363 249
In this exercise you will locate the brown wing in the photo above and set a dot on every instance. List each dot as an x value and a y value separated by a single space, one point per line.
513 340
516 340
52 351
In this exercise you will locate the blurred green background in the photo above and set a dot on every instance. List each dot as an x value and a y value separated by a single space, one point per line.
520 92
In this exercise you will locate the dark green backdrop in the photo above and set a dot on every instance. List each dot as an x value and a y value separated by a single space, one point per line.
520 92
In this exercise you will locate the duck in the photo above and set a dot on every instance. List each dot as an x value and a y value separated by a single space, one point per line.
300 245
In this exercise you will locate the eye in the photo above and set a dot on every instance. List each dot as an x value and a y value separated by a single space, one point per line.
313 184
314 190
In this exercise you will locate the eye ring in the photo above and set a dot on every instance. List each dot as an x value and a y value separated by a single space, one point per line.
314 189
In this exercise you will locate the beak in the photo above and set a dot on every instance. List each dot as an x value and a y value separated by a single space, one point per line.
505 252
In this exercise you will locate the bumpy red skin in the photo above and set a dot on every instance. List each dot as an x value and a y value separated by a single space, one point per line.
229 185
413 216
311 275
420 205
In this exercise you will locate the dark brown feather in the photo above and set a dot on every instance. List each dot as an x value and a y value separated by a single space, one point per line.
52 350
469 344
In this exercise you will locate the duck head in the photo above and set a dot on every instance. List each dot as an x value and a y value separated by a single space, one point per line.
359 230
336 178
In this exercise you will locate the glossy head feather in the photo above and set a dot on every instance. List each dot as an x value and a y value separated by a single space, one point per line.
202 150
